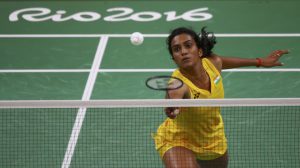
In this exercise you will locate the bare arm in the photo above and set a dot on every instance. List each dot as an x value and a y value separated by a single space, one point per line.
271 60
181 93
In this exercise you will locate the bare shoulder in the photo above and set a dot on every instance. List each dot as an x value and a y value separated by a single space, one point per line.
217 61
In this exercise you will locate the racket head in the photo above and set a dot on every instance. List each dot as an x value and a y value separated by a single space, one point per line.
164 82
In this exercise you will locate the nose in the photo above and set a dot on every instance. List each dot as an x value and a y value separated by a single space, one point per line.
184 51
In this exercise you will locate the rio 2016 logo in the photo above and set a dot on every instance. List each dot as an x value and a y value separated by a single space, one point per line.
120 14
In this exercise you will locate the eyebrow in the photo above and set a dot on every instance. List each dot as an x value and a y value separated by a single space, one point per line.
183 43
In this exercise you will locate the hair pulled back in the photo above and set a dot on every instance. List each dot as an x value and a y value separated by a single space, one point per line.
204 40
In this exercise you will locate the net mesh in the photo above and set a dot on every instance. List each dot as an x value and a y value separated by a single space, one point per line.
260 133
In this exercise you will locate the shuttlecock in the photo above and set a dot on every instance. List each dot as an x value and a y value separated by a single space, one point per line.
136 38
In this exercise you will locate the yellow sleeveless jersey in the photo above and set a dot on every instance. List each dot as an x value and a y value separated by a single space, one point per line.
200 129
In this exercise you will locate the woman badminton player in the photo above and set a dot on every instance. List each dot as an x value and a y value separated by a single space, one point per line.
195 137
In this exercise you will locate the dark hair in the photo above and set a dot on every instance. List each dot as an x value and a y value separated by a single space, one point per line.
205 40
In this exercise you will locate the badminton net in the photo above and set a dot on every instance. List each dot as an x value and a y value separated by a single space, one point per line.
119 133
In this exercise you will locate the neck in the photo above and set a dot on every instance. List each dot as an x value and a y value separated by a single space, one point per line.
196 72
198 76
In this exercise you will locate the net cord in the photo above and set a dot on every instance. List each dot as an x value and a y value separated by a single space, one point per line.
150 103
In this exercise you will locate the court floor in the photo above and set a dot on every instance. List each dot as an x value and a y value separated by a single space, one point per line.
60 60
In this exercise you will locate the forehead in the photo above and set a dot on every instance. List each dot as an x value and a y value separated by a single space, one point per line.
181 38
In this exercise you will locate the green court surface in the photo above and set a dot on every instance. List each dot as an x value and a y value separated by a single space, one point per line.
48 57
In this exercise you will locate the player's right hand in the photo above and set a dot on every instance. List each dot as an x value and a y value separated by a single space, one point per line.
172 112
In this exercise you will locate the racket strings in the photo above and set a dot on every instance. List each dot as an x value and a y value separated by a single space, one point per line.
164 83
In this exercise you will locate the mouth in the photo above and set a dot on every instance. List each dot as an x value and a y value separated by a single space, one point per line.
186 59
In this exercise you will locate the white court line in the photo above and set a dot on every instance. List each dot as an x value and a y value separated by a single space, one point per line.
86 96
145 35
42 70
263 70
140 70
225 70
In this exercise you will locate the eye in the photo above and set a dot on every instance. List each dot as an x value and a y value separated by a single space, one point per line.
188 44
176 48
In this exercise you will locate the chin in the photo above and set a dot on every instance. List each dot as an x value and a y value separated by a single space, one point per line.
187 65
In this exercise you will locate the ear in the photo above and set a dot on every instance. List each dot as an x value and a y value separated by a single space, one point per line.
200 52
